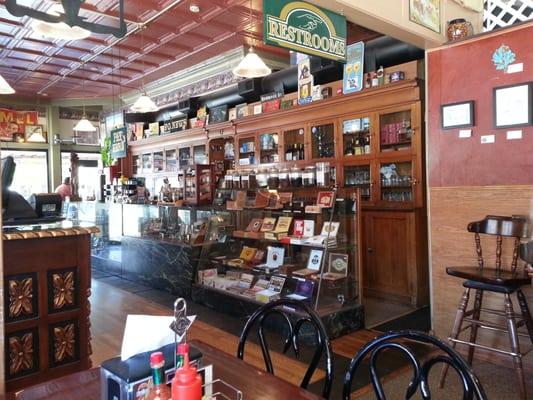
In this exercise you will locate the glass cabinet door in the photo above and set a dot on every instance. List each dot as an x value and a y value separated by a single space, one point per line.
395 131
171 160
199 154
137 167
396 181
185 157
359 176
323 141
147 163
293 144
268 148
356 136
159 163
247 151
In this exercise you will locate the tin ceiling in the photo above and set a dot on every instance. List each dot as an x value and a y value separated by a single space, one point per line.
174 41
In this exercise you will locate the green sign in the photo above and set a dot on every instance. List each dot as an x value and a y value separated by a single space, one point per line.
305 28
119 143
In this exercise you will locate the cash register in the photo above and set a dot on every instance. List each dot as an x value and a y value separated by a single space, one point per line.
16 210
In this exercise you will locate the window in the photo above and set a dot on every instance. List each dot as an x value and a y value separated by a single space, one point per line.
31 173
89 170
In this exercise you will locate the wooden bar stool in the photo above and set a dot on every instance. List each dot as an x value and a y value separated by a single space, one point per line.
496 280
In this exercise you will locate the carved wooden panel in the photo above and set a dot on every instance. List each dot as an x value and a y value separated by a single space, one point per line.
22 353
63 289
21 299
64 343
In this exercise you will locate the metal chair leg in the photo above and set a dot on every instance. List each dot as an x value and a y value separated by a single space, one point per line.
474 327
456 329
526 315
515 346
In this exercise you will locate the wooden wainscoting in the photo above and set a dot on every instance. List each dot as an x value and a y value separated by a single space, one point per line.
451 209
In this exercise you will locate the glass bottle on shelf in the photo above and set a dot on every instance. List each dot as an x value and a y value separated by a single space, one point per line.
296 177
309 176
323 174
273 178
284 181
262 178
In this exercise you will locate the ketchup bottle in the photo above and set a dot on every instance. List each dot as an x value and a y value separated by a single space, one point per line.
187 383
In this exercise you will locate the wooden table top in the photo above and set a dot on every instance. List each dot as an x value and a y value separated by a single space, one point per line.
254 383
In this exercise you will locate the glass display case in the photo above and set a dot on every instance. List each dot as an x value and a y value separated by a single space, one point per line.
184 157
159 162
396 181
199 184
295 249
323 141
395 131
199 154
247 151
359 176
136 165
171 160
356 136
293 142
268 148
147 163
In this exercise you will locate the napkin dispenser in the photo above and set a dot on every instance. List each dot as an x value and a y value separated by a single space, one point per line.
126 380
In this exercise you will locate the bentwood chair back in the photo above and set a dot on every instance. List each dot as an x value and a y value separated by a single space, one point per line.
399 342
297 318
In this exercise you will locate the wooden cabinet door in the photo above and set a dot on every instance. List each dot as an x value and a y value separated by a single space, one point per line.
388 244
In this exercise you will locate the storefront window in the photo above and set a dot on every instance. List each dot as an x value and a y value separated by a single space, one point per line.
89 169
31 173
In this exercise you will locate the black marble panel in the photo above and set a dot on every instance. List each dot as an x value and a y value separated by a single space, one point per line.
160 265
337 323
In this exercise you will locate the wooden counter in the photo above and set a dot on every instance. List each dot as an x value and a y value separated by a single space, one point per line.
47 280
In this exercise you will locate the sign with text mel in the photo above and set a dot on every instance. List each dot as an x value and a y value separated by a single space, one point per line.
119 143
305 28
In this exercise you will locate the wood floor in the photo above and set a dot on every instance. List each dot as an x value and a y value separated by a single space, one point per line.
110 307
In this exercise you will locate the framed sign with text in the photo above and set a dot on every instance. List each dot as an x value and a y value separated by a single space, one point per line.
119 142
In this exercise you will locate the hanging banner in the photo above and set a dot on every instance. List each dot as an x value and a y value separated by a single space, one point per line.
13 122
119 142
353 69
306 28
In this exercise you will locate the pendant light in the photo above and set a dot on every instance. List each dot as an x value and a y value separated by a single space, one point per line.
59 30
5 88
84 125
251 66
144 103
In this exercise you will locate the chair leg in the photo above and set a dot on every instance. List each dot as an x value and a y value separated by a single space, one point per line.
473 330
526 315
456 329
515 346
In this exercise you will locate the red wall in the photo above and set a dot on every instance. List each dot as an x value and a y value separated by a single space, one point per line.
466 72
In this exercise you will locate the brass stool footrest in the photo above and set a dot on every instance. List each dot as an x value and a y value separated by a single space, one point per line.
481 346
493 326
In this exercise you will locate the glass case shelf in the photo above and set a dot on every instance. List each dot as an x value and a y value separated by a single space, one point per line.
356 136
395 131
397 182
359 176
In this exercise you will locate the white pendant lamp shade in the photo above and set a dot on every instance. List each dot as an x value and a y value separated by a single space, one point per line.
5 88
84 125
144 104
251 66
59 30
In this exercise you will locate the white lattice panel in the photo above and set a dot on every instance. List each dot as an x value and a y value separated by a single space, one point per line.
500 13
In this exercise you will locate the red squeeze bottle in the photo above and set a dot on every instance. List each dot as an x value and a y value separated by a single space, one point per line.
187 383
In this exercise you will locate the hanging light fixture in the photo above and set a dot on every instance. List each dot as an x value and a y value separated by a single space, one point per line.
144 103
251 66
84 125
59 30
5 88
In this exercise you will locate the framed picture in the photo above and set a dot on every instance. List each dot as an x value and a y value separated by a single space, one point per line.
91 138
218 114
512 105
242 110
338 263
425 13
457 115
34 134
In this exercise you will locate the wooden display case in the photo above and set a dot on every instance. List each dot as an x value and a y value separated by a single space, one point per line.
199 184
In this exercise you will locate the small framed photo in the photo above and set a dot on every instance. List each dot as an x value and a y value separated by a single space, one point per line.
512 105
242 110
338 264
457 115
232 115
218 114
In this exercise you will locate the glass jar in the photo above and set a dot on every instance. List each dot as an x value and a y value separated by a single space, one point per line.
228 179
284 181
252 181
323 174
262 178
273 178
309 176
459 29
295 177
245 179
236 180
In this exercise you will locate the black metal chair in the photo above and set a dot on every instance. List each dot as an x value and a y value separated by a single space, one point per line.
396 341
295 315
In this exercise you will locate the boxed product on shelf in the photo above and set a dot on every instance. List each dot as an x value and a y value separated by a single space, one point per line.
273 292
314 263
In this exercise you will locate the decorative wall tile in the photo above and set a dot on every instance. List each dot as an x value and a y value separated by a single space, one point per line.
62 289
22 353
64 343
21 299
